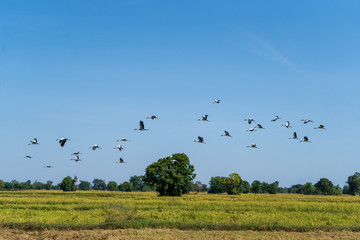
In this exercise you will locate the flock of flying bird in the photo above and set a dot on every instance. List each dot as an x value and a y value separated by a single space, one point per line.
200 139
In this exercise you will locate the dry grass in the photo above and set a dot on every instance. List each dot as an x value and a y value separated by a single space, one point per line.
168 234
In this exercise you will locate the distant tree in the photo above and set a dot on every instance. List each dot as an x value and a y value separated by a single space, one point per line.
26 185
2 185
216 185
99 184
48 185
354 184
346 189
56 187
337 190
137 182
67 184
309 189
233 184
84 185
112 186
126 187
298 188
170 176
273 188
199 187
256 187
245 187
325 186
37 185
264 187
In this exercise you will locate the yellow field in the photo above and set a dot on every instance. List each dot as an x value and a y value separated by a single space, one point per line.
107 210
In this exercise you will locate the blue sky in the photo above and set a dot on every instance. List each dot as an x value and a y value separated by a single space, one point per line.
90 70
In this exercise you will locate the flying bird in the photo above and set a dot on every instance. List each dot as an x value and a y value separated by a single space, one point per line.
76 159
276 118
306 121
62 141
251 130
123 140
306 139
204 118
34 142
287 124
249 120
259 126
141 125
94 147
200 140
321 127
294 136
216 101
226 134
76 153
119 147
48 166
121 161
253 145
28 157
153 117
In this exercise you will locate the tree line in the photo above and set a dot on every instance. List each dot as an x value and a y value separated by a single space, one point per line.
174 176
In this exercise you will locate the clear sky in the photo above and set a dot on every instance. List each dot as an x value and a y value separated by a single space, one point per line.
90 70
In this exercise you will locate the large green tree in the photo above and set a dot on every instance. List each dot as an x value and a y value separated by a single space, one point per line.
354 184
170 176
256 187
233 184
67 184
216 185
325 186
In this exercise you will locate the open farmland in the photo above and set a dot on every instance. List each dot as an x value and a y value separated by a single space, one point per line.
37 210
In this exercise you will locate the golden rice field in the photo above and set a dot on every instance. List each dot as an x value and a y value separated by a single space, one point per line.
87 210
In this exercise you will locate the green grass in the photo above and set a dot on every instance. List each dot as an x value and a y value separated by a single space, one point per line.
108 210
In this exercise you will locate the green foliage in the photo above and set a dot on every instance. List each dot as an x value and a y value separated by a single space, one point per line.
233 184
126 187
298 188
354 184
256 186
337 190
84 185
112 186
99 184
67 184
245 187
138 183
325 186
346 189
170 176
309 189
2 185
216 185
273 188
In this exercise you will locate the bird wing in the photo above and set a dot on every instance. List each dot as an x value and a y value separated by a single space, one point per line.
141 125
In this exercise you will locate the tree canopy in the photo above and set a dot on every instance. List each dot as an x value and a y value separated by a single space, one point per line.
170 176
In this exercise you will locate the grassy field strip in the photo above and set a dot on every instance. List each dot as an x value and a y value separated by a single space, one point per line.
167 234
94 209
